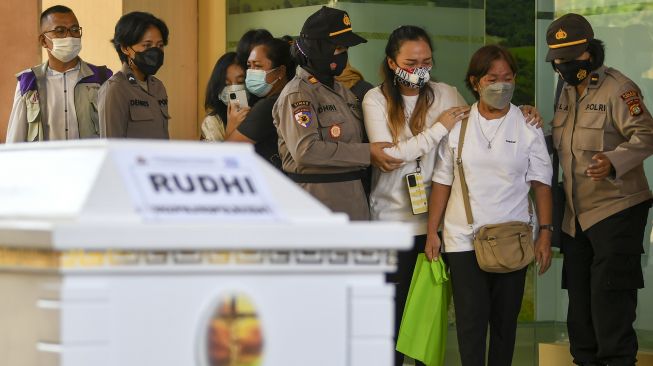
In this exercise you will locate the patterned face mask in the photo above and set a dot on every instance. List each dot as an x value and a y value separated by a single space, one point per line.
414 78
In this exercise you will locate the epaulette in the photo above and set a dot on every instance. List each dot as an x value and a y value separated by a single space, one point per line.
26 81
100 75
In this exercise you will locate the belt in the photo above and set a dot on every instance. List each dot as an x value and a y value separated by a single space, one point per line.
326 178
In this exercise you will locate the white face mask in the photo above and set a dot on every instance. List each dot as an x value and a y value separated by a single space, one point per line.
65 49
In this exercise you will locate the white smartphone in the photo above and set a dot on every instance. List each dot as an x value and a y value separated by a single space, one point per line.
239 98
417 193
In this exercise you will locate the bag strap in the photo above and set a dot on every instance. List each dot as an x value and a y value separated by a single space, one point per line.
461 172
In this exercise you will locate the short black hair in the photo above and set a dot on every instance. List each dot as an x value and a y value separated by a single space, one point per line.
278 51
132 26
596 49
212 103
249 40
57 9
481 63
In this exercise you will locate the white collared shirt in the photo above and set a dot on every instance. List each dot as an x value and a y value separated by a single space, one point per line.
498 179
61 114
389 199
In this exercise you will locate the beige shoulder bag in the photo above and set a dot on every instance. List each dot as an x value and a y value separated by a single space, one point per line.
500 248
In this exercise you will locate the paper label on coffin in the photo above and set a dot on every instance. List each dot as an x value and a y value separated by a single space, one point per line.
194 187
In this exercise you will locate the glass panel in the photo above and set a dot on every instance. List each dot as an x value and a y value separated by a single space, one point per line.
551 301
456 26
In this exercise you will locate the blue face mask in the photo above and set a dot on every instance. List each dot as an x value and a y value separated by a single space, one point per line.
256 83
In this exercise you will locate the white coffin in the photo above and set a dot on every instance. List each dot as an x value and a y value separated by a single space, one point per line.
101 264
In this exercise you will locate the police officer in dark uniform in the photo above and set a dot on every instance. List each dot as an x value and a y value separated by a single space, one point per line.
320 122
133 103
603 132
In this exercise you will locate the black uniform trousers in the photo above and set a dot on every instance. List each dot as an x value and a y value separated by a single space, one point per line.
401 279
481 299
602 272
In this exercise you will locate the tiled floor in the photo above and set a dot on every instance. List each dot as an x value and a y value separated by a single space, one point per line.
529 335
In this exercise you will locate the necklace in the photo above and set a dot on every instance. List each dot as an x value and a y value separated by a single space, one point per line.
489 141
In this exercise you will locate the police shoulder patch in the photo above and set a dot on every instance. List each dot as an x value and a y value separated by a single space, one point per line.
303 116
301 103
629 95
634 107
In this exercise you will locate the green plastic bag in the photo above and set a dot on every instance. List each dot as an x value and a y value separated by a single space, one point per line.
423 331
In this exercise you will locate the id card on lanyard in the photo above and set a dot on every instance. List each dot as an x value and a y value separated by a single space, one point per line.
416 191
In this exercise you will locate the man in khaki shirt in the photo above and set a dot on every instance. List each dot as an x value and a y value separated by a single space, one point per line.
603 132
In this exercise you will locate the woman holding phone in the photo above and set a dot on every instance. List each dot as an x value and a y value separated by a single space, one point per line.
270 68
415 114
227 78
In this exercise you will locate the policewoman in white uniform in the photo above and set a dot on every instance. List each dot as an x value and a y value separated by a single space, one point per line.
320 122
503 158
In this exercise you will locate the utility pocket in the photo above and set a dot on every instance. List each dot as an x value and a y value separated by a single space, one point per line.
95 120
33 109
557 125
588 135
139 113
621 272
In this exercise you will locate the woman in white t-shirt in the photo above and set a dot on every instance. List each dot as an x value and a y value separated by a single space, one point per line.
414 114
503 158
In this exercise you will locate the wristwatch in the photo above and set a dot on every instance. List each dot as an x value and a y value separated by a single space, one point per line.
546 227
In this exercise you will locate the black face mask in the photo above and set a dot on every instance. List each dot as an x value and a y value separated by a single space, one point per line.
149 61
341 63
318 56
574 72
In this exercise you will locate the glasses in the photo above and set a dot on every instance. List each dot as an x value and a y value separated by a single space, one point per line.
61 31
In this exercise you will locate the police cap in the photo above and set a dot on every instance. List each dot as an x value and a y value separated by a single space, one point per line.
568 37
333 25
